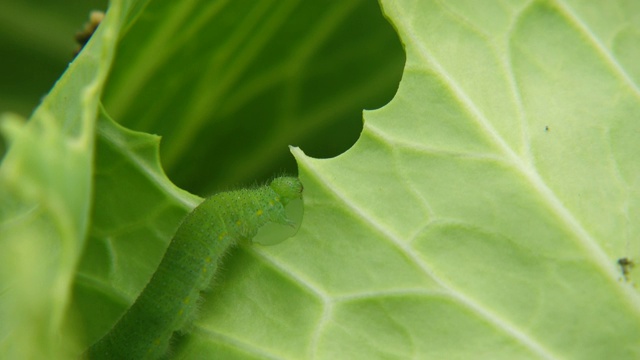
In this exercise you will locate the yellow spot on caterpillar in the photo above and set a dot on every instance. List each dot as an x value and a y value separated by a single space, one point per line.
239 222
259 212
222 236
208 259
185 301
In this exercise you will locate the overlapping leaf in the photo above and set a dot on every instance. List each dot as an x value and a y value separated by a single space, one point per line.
46 187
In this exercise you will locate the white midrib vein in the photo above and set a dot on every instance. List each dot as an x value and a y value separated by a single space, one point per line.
528 170
585 240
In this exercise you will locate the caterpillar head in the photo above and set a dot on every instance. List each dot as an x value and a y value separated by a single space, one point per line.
289 188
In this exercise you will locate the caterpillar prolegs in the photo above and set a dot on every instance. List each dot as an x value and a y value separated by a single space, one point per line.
189 264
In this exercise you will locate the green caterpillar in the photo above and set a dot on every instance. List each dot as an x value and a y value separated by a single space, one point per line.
189 264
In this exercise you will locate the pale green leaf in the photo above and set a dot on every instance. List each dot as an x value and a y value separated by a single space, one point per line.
45 187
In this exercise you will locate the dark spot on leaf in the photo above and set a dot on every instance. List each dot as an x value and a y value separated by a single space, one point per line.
626 265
